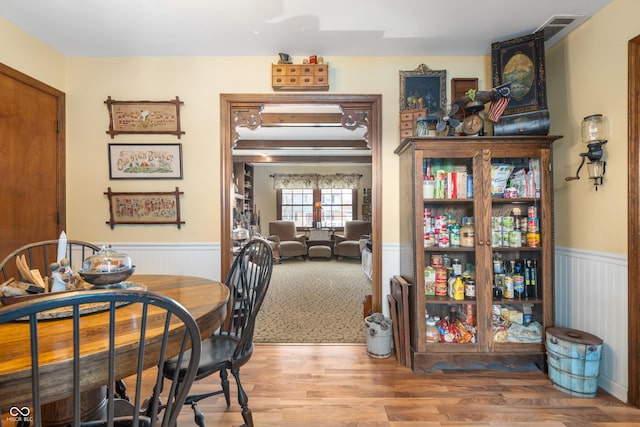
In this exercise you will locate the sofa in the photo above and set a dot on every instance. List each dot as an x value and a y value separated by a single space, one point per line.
288 242
348 243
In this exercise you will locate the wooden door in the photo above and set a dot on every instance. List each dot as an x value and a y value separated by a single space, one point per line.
32 162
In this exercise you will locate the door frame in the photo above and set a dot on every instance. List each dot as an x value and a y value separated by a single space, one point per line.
371 102
633 220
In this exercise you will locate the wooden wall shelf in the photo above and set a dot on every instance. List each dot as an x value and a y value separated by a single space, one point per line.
311 77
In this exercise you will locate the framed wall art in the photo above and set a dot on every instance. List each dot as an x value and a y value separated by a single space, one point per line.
520 61
423 88
145 161
144 208
144 117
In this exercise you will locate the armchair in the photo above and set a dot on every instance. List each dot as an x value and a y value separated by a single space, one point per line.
288 242
348 244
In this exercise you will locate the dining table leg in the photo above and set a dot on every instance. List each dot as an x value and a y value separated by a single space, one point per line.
93 406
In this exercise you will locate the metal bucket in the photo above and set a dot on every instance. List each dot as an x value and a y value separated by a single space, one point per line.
379 335
573 358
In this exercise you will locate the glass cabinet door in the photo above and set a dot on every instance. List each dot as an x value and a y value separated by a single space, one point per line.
517 241
449 252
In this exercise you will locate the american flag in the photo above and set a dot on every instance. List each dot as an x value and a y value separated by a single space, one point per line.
497 108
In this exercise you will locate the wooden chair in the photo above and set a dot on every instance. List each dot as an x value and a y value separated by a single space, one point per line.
148 406
232 345
41 255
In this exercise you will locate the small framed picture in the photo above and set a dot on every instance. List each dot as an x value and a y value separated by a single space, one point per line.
423 88
145 161
144 117
144 207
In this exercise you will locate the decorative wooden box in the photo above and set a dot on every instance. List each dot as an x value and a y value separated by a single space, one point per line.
408 119
300 77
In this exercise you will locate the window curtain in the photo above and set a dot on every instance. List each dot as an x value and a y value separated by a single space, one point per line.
315 181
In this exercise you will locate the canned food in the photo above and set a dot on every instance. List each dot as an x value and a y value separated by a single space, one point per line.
436 260
508 287
515 239
441 281
532 212
533 240
532 225
454 235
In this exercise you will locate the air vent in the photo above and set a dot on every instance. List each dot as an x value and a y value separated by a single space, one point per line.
558 26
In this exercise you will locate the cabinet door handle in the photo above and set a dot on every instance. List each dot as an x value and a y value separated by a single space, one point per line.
481 242
488 243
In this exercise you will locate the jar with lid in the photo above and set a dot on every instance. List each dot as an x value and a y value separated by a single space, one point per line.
467 233
432 331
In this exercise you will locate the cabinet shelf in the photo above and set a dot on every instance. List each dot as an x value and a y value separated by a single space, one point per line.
501 325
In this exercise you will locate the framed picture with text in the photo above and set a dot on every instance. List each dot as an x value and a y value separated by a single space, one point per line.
144 117
145 161
144 207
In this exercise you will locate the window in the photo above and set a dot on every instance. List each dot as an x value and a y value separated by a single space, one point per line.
338 206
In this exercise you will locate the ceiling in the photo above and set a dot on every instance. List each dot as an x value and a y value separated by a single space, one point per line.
120 28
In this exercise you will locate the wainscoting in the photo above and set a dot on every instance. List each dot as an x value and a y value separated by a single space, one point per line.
189 259
590 292
591 296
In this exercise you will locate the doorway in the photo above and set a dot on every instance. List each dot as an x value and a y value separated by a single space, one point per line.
358 109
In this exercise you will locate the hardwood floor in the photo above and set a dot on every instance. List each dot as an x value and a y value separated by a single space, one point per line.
340 385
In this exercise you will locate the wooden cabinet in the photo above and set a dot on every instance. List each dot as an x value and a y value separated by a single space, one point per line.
501 323
408 121
300 77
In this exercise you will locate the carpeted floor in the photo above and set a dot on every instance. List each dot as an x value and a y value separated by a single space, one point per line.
314 301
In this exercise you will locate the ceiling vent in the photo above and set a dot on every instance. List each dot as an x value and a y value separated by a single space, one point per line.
558 26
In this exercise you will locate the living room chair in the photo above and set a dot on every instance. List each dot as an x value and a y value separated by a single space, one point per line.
169 327
231 347
289 243
348 244
41 255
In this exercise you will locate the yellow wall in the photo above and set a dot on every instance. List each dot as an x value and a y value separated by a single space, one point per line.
587 74
26 54
198 81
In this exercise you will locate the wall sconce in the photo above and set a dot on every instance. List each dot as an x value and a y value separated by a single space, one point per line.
594 130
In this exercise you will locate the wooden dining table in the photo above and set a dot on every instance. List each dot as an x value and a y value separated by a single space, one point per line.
205 299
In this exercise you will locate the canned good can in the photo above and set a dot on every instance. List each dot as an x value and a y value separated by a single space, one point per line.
454 236
443 241
533 240
532 212
515 239
508 287
532 225
436 260
508 223
441 281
